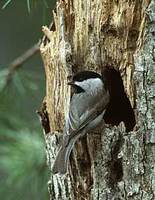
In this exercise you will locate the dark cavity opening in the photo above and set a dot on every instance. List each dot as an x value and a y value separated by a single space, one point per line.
119 108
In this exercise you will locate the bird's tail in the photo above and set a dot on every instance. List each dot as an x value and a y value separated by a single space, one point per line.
62 158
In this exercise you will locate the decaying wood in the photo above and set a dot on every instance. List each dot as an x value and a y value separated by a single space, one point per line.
92 34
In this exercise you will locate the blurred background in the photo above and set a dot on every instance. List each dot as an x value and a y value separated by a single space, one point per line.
23 170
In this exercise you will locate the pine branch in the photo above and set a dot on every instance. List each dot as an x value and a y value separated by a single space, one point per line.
16 64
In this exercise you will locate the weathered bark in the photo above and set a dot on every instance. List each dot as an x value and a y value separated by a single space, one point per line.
112 164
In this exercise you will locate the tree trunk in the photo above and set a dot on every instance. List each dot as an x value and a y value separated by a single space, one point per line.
86 34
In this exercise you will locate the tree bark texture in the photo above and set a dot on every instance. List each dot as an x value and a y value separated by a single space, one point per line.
91 34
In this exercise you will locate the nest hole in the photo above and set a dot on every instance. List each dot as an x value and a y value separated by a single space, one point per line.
119 108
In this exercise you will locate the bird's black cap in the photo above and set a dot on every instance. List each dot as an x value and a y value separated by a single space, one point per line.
84 75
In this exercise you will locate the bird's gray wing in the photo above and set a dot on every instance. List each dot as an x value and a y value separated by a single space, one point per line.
83 110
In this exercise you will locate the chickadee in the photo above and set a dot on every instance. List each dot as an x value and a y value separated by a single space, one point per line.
86 111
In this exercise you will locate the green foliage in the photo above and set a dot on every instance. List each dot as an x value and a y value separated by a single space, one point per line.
3 74
6 4
29 3
23 165
23 169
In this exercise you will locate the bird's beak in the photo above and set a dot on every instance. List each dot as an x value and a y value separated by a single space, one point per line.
71 83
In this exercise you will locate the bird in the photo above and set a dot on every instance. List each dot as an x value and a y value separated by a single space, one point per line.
86 110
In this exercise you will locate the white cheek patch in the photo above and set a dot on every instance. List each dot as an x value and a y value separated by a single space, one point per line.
77 83
91 84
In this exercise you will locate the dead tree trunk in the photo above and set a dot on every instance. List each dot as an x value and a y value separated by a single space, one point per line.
92 34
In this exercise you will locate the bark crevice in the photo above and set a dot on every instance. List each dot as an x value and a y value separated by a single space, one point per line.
115 164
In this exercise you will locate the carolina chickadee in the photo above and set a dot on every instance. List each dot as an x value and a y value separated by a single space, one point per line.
86 111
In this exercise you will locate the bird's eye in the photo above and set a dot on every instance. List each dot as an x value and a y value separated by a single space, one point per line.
80 79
